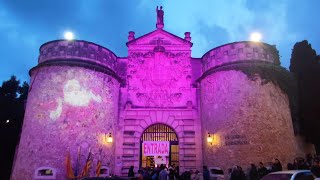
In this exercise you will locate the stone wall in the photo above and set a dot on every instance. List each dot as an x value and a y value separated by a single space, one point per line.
159 71
68 108
245 51
133 122
160 79
250 121
78 50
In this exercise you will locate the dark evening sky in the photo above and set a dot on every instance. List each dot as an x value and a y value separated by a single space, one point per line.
26 24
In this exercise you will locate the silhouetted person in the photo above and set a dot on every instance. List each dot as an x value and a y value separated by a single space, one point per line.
262 171
131 173
197 175
253 174
146 175
206 173
171 174
163 173
241 173
316 172
309 160
235 174
290 166
176 172
276 166
140 177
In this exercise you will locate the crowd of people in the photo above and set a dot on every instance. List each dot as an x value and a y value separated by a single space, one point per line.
256 173
169 173
157 173
236 173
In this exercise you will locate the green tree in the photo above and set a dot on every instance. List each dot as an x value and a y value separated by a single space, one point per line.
304 64
302 58
12 100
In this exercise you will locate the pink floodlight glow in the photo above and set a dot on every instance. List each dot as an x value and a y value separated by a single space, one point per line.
83 96
74 95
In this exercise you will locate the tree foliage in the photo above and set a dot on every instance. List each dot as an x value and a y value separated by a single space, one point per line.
13 96
304 64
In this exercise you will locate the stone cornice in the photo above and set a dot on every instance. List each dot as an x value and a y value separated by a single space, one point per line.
78 49
245 51
78 63
236 65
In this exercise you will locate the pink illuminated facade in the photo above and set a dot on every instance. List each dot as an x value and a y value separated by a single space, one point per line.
81 93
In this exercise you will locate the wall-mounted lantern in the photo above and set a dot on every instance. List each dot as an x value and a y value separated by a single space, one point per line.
210 138
108 138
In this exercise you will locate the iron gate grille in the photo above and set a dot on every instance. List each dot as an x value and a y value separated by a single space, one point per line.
159 132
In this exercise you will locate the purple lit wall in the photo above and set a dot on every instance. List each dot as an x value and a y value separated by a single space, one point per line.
250 121
159 71
75 100
71 106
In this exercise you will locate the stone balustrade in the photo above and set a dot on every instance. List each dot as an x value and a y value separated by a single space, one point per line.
240 52
77 50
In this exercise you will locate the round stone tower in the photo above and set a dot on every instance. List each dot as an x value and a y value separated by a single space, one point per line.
245 113
72 109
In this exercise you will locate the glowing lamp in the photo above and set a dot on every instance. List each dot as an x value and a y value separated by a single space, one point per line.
210 138
255 37
109 138
68 36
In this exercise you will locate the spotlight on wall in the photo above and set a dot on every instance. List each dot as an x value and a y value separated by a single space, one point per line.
108 138
210 138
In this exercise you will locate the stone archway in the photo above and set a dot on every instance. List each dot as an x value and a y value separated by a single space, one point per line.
134 122
162 135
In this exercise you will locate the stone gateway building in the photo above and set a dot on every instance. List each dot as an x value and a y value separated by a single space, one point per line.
158 105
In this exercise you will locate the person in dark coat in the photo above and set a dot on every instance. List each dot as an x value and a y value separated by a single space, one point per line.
242 176
163 173
146 175
177 172
206 173
315 169
276 166
171 174
262 171
235 174
253 174
186 175
290 166
131 173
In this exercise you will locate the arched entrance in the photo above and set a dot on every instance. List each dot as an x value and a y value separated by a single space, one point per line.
159 145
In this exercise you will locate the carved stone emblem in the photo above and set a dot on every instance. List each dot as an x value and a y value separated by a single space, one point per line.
159 79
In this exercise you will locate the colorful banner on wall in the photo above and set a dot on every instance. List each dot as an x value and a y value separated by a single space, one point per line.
156 148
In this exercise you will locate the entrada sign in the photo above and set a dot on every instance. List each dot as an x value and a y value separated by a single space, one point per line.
156 148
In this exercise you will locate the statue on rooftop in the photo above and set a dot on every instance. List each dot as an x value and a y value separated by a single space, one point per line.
160 14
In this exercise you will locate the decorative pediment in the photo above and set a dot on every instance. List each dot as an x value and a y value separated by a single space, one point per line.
159 37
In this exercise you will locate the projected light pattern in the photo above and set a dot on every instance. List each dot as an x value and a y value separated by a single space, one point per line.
67 108
56 113
74 95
